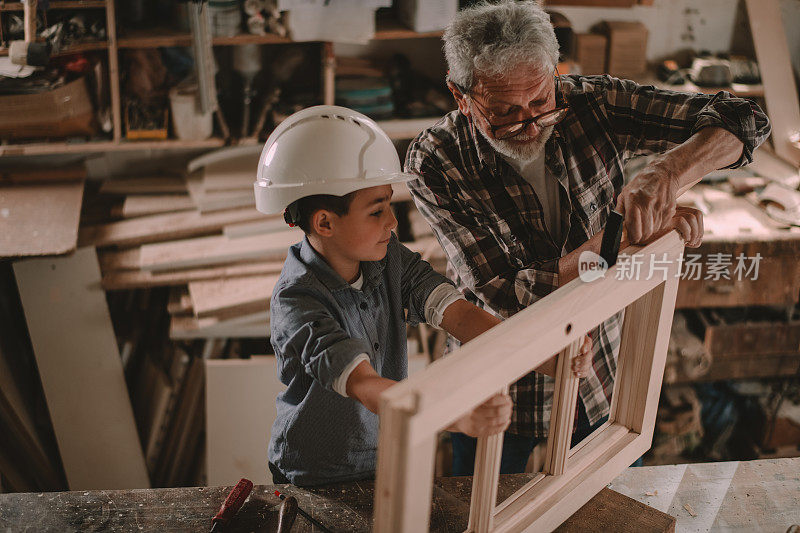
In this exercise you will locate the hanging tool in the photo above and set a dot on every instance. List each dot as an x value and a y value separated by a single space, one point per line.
29 52
305 515
247 62
232 504
286 514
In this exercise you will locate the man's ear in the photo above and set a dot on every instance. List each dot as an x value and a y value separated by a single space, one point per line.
460 97
322 223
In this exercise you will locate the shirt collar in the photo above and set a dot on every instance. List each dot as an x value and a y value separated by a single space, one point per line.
371 270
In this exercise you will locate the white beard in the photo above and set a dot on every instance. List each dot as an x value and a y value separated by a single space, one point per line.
524 153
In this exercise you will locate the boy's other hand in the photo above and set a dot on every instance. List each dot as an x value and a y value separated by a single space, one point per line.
582 363
491 417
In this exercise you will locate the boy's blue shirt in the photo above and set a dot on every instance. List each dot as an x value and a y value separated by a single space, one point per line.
319 323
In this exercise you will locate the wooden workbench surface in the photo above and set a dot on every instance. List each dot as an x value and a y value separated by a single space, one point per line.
754 495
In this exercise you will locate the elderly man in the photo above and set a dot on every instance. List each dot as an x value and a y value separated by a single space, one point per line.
520 180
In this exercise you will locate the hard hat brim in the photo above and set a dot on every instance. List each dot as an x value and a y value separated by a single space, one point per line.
273 198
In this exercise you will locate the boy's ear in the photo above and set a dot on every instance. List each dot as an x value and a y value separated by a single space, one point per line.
322 223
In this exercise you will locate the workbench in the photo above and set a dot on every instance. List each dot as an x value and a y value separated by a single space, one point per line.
755 495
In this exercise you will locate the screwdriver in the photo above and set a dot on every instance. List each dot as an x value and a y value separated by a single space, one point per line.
232 504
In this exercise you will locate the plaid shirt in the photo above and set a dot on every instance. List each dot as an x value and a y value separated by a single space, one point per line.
489 220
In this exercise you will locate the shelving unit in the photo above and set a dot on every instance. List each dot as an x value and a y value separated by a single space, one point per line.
387 28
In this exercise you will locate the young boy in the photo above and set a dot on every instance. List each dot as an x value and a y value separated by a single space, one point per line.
339 310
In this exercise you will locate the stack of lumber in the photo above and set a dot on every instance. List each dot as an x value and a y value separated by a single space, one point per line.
200 235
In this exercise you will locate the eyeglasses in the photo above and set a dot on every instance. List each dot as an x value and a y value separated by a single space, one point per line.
512 129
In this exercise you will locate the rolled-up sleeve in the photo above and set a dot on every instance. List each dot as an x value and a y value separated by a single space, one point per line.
417 280
308 331
649 120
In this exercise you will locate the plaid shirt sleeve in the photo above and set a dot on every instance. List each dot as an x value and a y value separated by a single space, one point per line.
647 120
472 243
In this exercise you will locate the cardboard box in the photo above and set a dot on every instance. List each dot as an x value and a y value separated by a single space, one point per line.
334 23
590 53
63 112
426 15
627 48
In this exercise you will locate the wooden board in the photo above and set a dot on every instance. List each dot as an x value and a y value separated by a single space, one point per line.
39 219
224 296
251 325
217 250
142 205
269 225
79 364
158 228
144 185
240 401
775 64
28 174
231 174
137 279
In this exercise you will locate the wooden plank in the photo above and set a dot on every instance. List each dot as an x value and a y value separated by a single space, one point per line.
250 325
79 364
158 228
232 173
775 64
562 413
217 250
221 155
120 260
248 388
611 511
218 297
269 225
144 185
39 219
28 175
489 452
404 486
138 279
143 205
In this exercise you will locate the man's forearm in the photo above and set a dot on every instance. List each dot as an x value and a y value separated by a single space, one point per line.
568 264
706 151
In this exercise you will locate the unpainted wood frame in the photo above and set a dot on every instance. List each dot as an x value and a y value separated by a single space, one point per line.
415 410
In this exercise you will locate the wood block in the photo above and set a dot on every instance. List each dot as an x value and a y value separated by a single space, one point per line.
27 175
79 364
39 219
240 401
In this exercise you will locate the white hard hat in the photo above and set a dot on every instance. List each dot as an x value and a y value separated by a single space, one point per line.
324 150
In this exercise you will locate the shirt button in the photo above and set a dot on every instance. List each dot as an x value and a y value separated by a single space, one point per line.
593 207
364 306
376 346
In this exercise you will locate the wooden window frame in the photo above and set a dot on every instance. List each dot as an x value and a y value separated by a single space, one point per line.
413 412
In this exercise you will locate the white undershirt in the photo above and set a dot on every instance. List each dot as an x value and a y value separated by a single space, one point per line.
546 189
438 300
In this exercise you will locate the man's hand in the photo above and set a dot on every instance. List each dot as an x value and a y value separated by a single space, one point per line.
648 202
491 417
688 222
582 363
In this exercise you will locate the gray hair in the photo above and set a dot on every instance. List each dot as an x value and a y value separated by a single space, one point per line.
491 39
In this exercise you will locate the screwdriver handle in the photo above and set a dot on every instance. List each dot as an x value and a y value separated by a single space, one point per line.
234 501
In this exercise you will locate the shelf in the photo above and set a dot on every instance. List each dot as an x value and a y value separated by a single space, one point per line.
75 4
156 38
390 28
73 49
736 89
45 148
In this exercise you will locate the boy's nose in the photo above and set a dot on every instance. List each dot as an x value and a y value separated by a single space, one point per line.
392 222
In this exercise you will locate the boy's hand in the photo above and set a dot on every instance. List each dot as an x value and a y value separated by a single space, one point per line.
582 363
491 417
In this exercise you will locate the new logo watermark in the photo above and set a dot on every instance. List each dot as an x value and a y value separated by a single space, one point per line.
591 266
